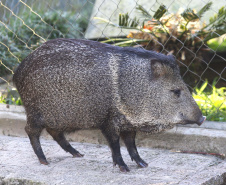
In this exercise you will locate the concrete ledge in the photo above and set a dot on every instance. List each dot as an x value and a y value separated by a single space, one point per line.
12 108
210 137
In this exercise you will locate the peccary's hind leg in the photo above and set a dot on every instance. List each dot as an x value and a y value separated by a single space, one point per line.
61 140
112 137
33 133
129 140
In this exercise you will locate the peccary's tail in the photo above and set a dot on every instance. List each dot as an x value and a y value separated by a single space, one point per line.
15 76
18 76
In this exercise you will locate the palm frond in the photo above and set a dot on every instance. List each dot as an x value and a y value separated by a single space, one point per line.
219 20
115 40
217 25
131 42
106 21
204 9
189 15
144 12
160 12
125 21
221 13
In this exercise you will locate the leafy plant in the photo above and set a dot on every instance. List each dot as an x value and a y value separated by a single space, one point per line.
218 44
10 97
2 100
162 23
18 39
8 53
16 101
11 101
216 26
211 102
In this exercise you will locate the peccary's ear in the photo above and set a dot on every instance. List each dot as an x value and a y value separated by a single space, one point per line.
157 68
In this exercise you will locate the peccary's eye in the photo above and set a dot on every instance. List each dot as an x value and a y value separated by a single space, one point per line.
177 92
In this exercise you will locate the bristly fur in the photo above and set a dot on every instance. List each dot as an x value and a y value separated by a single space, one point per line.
69 84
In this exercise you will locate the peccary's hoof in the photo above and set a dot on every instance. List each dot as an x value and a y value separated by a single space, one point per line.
142 164
124 169
44 162
78 155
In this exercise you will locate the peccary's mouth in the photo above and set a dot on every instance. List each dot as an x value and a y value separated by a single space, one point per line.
199 122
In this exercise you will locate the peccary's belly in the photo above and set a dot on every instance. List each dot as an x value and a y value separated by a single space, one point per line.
67 100
74 116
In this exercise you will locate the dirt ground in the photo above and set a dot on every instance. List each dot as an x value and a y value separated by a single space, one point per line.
19 165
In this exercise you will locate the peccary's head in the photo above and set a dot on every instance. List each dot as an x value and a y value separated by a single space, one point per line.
154 96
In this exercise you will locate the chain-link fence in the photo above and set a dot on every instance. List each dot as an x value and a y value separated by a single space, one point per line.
193 31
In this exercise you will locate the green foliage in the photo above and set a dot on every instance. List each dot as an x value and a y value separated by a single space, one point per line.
204 9
15 101
218 20
216 26
11 101
217 44
6 57
53 25
144 12
124 21
189 15
160 12
211 102
2 100
22 38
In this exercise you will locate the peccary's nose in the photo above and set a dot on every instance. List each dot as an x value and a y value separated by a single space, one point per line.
201 120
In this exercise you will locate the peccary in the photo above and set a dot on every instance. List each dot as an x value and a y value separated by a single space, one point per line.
69 84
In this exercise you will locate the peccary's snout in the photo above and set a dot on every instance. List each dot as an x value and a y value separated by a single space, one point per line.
195 117
201 120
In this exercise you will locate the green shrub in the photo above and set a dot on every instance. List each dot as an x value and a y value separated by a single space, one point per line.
17 40
11 101
211 102
218 44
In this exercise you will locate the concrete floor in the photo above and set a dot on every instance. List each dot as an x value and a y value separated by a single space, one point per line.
19 165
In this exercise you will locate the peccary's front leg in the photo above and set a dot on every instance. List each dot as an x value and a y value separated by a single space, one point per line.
112 136
129 140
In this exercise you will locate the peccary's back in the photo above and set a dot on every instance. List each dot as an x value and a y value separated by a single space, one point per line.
67 83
